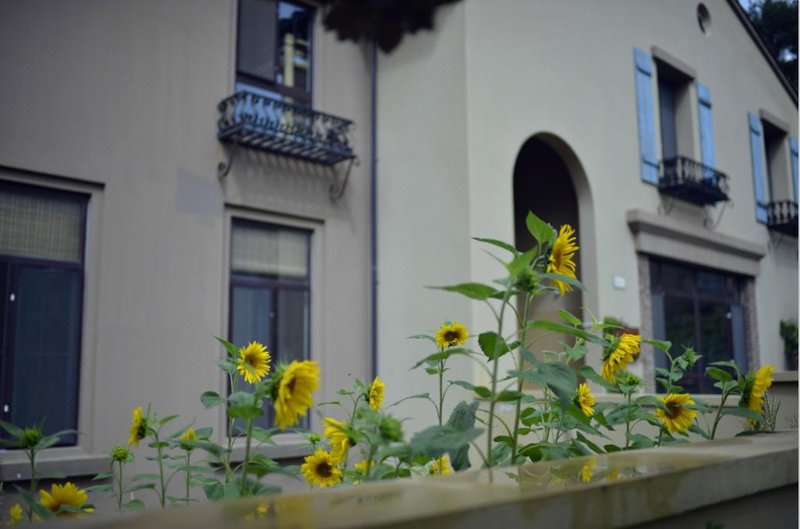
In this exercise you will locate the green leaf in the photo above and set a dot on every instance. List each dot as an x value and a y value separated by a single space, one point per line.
436 440
211 399
102 475
718 374
481 391
495 242
100 488
244 405
214 490
462 418
422 337
521 262
167 419
590 374
264 435
508 396
558 377
12 429
541 230
232 349
443 355
419 396
564 279
659 344
593 447
133 505
142 486
477 291
226 364
640 441
569 318
569 330
650 400
492 345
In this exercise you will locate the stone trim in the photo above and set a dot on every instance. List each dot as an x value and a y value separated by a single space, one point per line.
774 120
673 62
671 238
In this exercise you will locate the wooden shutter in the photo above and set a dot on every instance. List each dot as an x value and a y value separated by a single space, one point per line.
643 68
757 157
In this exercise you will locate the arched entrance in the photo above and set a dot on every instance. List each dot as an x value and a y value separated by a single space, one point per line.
549 180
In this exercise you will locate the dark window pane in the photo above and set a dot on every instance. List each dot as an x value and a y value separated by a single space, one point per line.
292 322
3 299
666 99
294 29
47 348
679 321
257 39
677 279
711 284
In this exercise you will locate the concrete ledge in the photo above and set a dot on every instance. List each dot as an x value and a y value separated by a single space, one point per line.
668 237
610 490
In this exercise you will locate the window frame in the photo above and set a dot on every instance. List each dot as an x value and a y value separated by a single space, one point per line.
314 348
13 263
299 96
697 298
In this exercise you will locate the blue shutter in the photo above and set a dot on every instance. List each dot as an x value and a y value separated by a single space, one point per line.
793 154
645 109
706 128
756 150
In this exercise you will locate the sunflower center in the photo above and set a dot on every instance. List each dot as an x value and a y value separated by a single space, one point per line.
451 336
673 411
324 470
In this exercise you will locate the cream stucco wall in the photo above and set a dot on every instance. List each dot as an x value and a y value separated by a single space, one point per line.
513 69
121 99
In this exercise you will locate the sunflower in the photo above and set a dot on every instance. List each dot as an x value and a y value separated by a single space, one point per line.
362 466
754 398
451 334
320 469
68 495
138 430
335 431
293 395
561 255
585 399
677 417
375 394
14 514
253 363
188 436
620 355
441 466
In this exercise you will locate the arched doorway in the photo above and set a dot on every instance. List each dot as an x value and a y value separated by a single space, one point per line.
549 180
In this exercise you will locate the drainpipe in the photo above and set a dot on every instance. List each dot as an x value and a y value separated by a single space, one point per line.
373 219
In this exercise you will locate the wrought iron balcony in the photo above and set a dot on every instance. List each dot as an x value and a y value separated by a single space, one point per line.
782 216
269 124
692 181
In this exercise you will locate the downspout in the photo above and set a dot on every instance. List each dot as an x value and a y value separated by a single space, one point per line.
373 219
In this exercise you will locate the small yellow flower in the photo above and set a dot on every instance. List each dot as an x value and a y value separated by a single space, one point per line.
441 466
754 399
138 430
297 382
362 466
587 471
560 261
67 494
375 394
677 417
253 363
337 438
585 399
320 469
620 355
14 514
451 334
189 435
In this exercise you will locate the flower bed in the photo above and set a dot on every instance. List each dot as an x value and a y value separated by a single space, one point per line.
363 441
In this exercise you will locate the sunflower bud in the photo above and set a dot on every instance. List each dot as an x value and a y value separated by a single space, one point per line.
120 454
30 437
391 429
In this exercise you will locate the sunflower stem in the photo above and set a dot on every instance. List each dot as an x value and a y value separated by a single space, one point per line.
188 475
246 462
628 419
718 416
229 433
34 480
160 452
441 394
517 408
495 367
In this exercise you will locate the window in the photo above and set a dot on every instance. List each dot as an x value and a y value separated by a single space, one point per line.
774 159
674 110
700 308
274 49
270 291
41 290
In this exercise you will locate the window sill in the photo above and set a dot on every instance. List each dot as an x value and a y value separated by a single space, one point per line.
287 446
72 461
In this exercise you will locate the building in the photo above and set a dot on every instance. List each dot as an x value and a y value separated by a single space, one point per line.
174 171
132 234
615 117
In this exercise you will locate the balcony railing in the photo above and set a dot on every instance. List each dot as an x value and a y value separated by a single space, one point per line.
692 181
269 124
782 216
